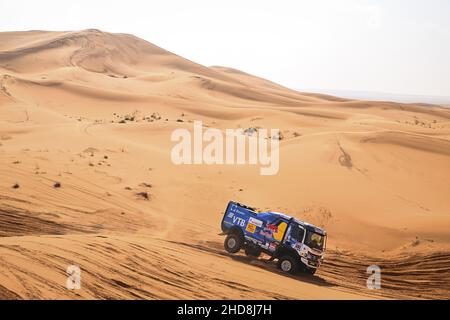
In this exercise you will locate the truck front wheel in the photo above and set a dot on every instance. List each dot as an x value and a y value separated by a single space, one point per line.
288 264
233 243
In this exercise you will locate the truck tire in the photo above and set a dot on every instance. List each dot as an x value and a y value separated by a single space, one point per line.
252 252
233 243
288 264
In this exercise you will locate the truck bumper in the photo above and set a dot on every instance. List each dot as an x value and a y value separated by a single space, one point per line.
310 264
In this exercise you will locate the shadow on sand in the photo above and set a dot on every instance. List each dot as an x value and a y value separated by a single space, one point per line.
217 249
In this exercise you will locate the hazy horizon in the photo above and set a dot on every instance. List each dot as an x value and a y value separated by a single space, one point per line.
382 96
399 47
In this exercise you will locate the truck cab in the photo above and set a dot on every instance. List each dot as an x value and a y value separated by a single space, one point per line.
297 245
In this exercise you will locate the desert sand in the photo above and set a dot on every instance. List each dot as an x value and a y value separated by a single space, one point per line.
94 111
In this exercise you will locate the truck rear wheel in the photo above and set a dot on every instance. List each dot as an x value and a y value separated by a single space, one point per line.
233 243
288 264
252 252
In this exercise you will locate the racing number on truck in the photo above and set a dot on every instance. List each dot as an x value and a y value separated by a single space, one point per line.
250 228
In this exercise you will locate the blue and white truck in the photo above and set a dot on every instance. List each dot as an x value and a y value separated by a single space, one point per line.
297 245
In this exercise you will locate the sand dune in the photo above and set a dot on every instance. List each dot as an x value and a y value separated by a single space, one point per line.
93 111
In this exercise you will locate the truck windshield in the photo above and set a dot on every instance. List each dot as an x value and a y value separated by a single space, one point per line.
314 240
297 232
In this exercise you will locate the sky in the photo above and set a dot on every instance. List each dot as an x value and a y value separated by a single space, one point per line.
394 46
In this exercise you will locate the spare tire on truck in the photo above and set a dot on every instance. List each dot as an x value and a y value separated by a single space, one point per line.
233 243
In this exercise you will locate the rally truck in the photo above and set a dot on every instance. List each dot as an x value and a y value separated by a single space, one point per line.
295 244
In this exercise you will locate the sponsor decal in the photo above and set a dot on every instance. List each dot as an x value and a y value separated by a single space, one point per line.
250 228
256 222
239 221
269 231
275 232
278 235
265 233
235 209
